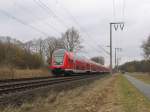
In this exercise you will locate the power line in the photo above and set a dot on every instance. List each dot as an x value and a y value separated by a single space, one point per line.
45 7
40 4
81 28
123 9
32 14
114 11
74 19
49 11
22 22
114 14
108 53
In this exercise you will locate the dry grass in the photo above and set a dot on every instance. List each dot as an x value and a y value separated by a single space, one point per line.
142 76
130 98
109 94
96 97
11 73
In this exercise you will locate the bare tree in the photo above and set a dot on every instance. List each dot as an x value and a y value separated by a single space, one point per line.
45 47
50 45
39 47
146 48
71 40
28 46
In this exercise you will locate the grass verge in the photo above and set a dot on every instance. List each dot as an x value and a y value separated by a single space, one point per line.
13 73
130 98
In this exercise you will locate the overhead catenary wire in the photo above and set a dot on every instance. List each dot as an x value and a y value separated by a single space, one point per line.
108 53
22 22
81 28
114 10
32 14
123 9
48 10
73 18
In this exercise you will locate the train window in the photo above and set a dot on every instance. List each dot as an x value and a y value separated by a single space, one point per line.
58 57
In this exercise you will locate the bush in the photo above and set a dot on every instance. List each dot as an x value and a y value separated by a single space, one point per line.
13 55
136 66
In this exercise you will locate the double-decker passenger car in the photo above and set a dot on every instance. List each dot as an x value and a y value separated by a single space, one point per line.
64 62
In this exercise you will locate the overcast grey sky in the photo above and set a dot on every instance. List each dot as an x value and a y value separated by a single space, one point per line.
93 16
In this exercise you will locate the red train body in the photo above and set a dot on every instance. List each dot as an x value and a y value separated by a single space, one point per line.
64 62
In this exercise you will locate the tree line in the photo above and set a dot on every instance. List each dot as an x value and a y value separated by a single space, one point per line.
11 54
139 66
136 66
38 52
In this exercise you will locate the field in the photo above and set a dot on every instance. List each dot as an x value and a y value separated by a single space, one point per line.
109 94
12 73
142 76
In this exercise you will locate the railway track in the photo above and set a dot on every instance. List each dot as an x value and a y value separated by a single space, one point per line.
15 86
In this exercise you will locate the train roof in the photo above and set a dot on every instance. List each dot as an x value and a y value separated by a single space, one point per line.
79 57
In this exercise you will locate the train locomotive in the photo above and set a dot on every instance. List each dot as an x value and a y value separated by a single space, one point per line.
67 63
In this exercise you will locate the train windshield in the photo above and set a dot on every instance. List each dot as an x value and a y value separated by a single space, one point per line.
58 57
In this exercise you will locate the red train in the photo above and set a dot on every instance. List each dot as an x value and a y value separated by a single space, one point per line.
64 62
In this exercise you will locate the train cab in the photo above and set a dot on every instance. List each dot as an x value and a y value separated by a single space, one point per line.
57 61
62 62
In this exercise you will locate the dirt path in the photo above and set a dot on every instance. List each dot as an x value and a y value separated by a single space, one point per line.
143 87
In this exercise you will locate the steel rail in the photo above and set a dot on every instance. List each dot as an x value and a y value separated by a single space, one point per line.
15 87
26 81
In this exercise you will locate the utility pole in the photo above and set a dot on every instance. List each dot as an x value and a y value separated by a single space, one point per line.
111 48
116 58
116 26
